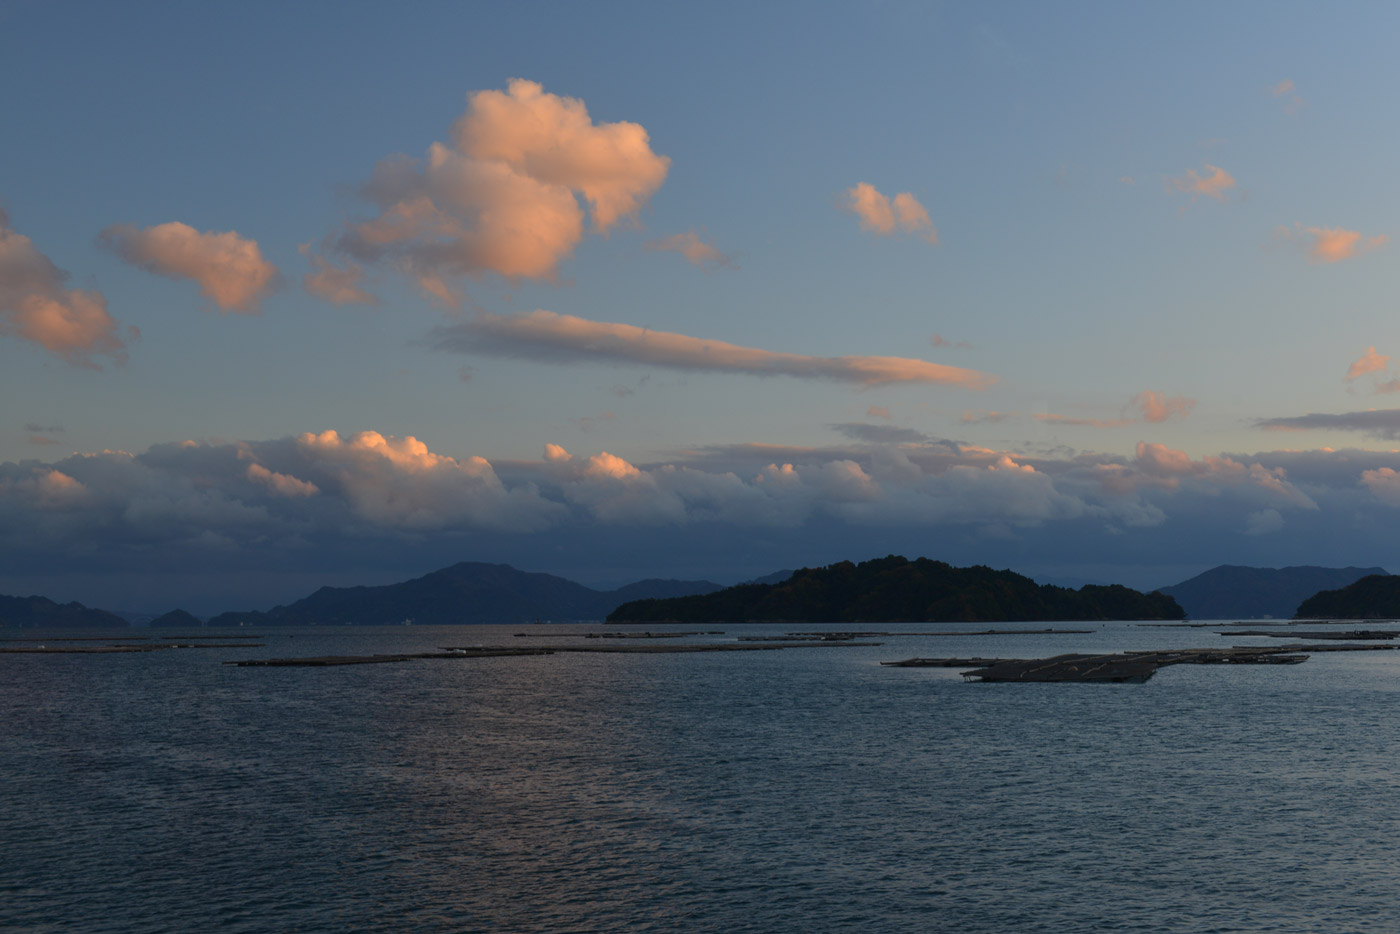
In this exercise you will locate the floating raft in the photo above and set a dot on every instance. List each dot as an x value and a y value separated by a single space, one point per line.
477 651
118 649
1122 667
1354 635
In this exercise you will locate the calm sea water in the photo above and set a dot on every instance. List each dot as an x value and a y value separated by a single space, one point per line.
803 790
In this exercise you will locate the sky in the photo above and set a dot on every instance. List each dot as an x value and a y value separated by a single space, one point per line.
306 294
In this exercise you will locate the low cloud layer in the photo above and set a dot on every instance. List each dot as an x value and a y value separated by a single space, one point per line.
37 305
369 497
229 268
554 338
1378 423
886 217
503 196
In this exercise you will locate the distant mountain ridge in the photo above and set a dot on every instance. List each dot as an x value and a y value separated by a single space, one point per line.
1373 597
469 592
894 589
1233 591
41 612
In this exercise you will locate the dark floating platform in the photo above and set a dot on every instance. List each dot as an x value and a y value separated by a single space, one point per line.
982 632
498 651
618 635
119 649
325 661
1122 667
1354 635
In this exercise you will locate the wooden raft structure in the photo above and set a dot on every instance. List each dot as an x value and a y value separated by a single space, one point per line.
1120 667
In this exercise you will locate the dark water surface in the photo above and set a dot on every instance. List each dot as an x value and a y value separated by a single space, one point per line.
802 790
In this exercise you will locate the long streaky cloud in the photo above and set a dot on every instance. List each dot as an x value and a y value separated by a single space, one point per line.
1379 423
556 338
1330 244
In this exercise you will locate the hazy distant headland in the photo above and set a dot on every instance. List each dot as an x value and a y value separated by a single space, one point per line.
884 590
1231 591
894 588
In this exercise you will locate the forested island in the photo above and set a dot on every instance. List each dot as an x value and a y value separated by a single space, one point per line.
1373 597
895 589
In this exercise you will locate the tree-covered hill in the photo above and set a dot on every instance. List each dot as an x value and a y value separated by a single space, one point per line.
895 588
1373 597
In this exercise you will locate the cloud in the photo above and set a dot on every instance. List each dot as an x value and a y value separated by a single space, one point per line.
878 411
36 305
881 215
554 338
689 245
41 440
229 268
979 416
1378 423
1384 484
280 483
1285 88
339 285
1156 407
1263 522
938 340
1369 362
503 197
1212 185
878 434
1150 406
1330 244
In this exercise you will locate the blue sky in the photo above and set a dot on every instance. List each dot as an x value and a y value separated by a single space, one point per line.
1162 233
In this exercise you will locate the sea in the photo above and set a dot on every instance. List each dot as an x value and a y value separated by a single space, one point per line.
802 790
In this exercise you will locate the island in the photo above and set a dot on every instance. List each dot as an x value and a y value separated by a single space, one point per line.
1374 597
895 589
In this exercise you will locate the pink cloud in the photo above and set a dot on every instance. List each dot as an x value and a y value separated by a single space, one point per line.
1384 484
878 411
503 198
36 305
229 268
339 285
978 416
1212 185
1156 407
1331 244
1369 362
689 245
550 337
939 340
1151 406
879 215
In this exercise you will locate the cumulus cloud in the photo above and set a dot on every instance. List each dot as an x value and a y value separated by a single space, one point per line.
503 197
1378 423
36 305
1384 484
884 216
1214 184
229 268
339 285
555 338
1330 244
1263 522
689 245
